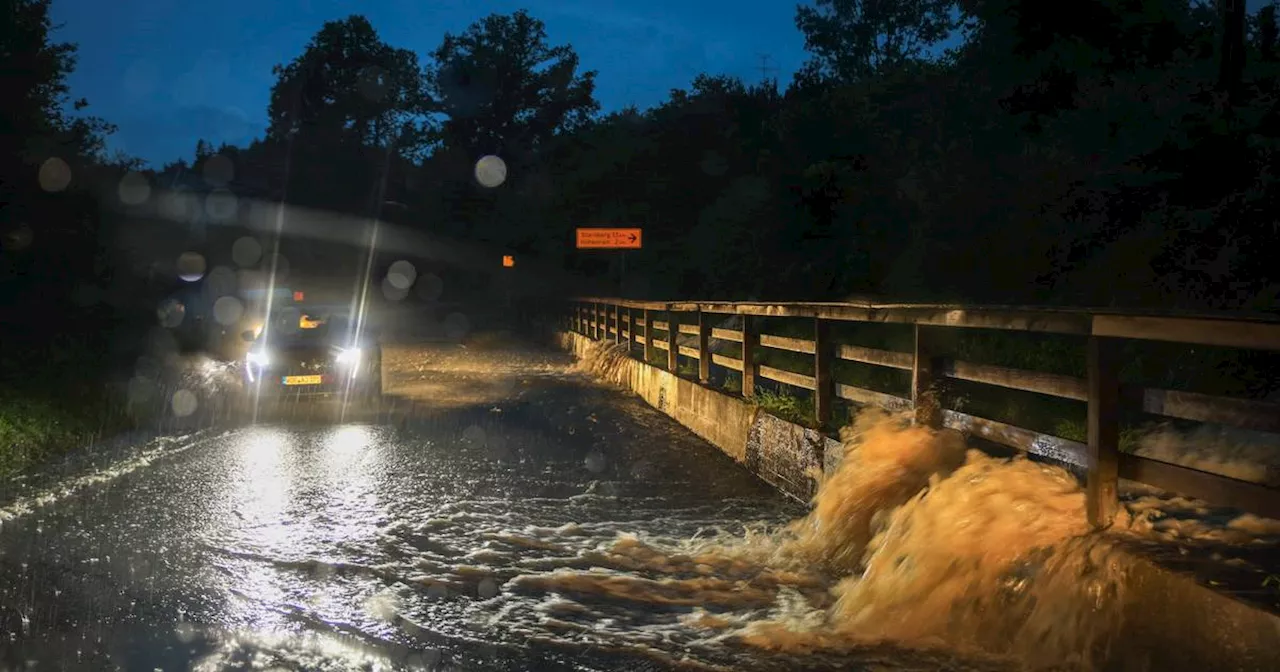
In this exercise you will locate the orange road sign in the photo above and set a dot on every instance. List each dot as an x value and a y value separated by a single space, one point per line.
508 261
609 239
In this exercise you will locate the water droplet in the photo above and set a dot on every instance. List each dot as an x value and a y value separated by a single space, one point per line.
55 174
171 312
402 274
491 171
391 292
185 632
139 390
595 462
430 287
218 170
191 266
456 326
487 588
140 79
17 238
473 434
437 592
184 403
373 83
277 264
246 251
227 310
176 205
222 281
134 189
221 205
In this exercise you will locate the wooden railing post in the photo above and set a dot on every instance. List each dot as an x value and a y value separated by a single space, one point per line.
704 347
1103 431
924 378
750 337
617 323
673 345
824 385
648 336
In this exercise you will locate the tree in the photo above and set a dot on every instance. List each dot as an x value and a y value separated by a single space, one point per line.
503 90
343 113
854 40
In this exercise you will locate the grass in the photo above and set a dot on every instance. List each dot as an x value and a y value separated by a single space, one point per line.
50 404
786 406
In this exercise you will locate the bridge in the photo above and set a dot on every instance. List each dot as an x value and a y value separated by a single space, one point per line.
1100 335
501 510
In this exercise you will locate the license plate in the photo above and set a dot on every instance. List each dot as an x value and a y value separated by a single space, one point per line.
303 380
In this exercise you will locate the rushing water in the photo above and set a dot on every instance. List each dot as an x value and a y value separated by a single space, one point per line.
535 521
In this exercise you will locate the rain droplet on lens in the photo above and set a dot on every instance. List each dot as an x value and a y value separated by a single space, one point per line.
134 189
491 171
391 292
139 390
473 434
246 251
17 238
437 592
456 326
185 632
55 174
222 281
218 170
227 310
221 205
430 287
487 588
373 83
277 264
191 266
184 403
594 462
170 313
402 274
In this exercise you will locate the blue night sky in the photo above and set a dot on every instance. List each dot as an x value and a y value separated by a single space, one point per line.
168 73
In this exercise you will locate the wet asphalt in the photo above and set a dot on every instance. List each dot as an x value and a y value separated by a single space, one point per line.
317 536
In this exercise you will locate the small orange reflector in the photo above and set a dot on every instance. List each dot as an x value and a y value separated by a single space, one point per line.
508 261
298 296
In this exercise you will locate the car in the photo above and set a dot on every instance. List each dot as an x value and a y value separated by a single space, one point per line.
308 354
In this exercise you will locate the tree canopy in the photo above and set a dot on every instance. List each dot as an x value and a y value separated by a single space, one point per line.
1008 151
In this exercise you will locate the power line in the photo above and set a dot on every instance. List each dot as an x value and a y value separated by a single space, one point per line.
766 69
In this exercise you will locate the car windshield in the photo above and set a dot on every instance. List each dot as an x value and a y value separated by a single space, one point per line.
292 327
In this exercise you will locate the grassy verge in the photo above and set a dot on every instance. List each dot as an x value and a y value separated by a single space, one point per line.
46 412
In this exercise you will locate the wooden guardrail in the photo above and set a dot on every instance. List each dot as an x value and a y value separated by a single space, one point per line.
1104 464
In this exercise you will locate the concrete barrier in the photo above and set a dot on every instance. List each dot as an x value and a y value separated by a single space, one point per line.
784 454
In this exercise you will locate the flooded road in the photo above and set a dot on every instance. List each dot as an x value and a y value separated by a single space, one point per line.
498 511
391 541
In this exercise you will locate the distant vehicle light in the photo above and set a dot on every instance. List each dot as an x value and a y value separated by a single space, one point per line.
348 356
305 322
298 296
508 261
258 357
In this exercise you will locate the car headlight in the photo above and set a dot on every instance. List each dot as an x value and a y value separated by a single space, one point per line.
348 356
257 357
